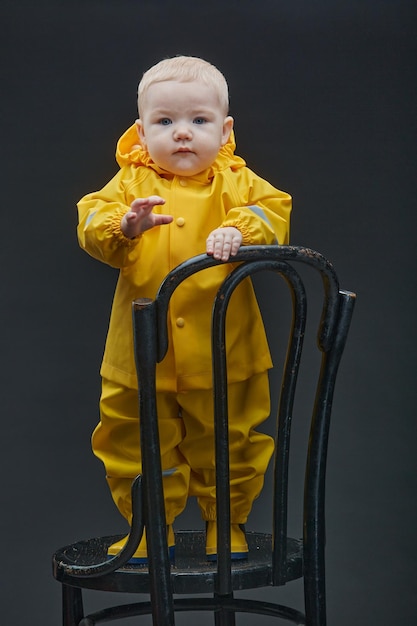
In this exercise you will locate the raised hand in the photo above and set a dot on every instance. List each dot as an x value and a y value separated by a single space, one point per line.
141 218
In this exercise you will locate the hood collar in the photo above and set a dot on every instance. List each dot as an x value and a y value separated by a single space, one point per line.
130 151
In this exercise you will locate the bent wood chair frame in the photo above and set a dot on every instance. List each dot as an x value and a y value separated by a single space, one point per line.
274 559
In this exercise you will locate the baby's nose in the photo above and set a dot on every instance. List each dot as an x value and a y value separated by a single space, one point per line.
182 131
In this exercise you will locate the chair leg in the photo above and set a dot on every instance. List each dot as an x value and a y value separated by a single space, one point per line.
315 602
224 618
72 606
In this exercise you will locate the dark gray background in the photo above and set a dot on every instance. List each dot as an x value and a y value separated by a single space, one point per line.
324 96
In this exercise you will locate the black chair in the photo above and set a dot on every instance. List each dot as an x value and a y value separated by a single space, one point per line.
274 559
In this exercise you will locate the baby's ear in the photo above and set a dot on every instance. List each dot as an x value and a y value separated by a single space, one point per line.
227 129
139 128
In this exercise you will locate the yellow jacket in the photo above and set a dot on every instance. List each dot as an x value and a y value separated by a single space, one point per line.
227 194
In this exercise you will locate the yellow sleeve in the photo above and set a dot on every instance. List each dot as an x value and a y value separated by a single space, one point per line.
99 232
264 217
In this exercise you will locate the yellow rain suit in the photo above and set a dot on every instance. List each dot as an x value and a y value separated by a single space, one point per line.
227 194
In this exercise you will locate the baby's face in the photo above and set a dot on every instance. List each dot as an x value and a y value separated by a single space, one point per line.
183 126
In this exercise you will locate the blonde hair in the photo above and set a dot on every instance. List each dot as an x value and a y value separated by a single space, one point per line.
185 69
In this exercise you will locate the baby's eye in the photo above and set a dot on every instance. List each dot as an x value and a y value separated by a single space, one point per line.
165 121
199 120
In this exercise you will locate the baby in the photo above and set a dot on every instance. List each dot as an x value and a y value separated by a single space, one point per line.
181 191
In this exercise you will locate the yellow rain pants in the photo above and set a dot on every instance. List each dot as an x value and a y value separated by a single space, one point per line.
186 431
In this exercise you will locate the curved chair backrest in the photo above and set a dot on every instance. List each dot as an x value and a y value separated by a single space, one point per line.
150 327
